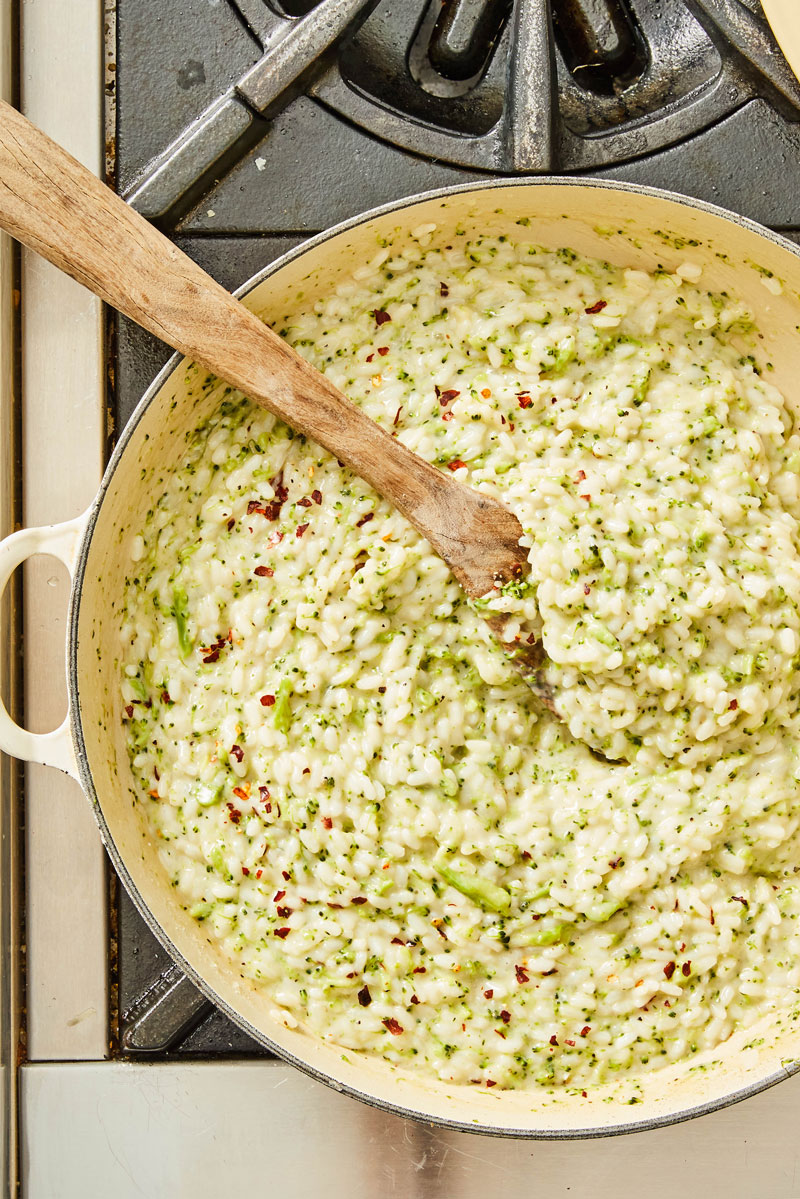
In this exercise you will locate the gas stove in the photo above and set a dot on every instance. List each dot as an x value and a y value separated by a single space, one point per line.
240 128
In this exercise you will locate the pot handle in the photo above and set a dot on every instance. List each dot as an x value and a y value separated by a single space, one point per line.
62 542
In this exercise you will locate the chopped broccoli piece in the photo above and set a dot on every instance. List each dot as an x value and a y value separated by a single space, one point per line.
486 894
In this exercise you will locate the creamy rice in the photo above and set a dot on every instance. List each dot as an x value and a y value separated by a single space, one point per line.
351 787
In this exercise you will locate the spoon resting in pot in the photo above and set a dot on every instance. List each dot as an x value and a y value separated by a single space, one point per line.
55 206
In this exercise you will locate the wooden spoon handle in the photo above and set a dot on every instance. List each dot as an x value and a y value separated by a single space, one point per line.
54 205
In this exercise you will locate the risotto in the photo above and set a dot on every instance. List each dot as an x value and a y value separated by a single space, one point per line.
349 784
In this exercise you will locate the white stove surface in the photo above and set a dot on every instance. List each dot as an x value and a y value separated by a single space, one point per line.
90 1127
211 1130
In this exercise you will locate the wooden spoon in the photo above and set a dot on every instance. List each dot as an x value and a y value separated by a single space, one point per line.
55 206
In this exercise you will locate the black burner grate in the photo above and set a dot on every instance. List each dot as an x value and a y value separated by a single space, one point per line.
490 85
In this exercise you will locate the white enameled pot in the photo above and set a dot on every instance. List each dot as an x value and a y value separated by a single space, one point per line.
625 225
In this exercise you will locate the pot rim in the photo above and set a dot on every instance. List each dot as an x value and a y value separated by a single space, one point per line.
78 742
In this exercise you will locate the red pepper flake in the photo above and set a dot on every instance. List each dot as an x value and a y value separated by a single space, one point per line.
369 357
615 862
316 496
414 999
686 969
264 572
447 397
526 857
278 896
394 1028
456 464
231 523
284 913
397 416
554 1040
381 316
274 539
570 1043
286 875
713 921
300 530
281 932
505 1016
598 307
587 589
304 502
733 705
585 1096
254 506
307 770
521 973
669 970
259 873
365 519
237 752
279 488
488 993
211 656
444 290
359 899
383 351
240 793
420 970
524 400
588 498
741 899
129 711
581 475
263 793
490 1082
327 822
267 701
447 416
245 871
397 941
364 997
234 814
585 1030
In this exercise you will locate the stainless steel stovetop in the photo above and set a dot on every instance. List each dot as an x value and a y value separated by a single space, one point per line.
242 127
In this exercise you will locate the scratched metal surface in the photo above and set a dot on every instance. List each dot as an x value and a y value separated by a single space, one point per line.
203 1131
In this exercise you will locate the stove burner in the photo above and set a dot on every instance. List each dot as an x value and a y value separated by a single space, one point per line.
508 86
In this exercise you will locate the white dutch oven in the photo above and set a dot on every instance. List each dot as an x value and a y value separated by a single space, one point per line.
625 225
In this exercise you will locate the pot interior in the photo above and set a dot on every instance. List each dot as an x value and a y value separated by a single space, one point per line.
624 226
